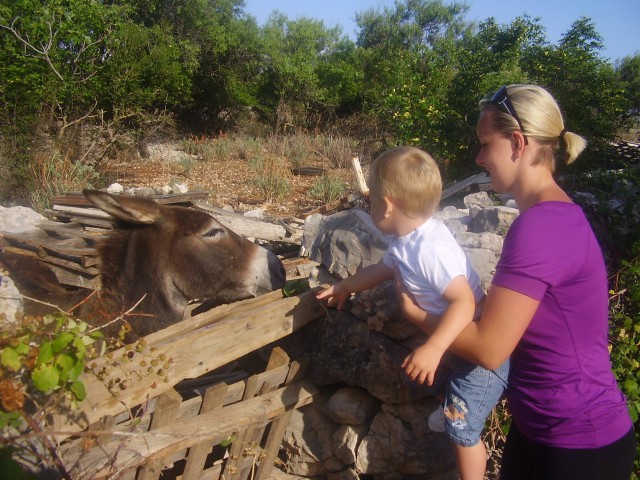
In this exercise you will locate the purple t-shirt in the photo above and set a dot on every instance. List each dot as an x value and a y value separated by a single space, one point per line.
562 391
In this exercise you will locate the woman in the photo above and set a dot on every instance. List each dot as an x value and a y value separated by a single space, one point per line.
547 308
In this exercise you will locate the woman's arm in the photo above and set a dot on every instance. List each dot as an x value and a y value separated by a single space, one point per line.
489 341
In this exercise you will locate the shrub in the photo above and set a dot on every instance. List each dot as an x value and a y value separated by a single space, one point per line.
271 178
54 174
328 189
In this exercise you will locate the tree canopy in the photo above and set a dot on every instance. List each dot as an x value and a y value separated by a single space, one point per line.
417 68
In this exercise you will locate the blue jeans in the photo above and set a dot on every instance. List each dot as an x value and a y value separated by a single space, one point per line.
471 392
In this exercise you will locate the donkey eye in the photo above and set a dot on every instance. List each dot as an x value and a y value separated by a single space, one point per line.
215 233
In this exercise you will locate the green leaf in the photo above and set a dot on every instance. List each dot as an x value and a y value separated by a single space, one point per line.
74 372
45 378
61 341
45 355
78 390
10 358
65 362
22 348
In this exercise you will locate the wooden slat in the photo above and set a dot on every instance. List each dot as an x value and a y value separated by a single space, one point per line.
277 430
82 218
68 229
92 271
213 399
456 187
49 244
342 204
165 414
214 426
77 199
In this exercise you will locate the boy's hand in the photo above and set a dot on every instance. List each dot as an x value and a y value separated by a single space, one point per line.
336 294
421 364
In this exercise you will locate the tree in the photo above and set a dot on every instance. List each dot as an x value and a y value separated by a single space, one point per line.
585 86
299 68
628 71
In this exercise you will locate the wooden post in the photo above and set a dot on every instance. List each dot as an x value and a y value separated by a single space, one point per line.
362 183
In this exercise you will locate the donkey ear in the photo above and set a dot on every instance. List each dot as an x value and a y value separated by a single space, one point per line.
128 209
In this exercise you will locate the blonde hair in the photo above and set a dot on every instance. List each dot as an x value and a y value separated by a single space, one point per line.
410 177
541 119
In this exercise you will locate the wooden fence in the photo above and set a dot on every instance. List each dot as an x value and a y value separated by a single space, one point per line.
135 425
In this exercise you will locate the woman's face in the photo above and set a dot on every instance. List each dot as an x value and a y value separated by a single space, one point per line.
496 155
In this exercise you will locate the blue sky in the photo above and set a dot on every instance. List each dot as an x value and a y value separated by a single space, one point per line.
617 21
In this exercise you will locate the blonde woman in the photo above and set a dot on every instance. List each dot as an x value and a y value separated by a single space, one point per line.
547 308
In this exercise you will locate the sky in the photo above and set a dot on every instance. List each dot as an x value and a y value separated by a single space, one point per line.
617 21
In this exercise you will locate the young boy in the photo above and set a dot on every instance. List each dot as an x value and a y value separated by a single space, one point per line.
404 192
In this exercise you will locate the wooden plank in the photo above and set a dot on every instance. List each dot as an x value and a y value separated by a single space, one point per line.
213 399
91 271
252 227
456 187
360 180
68 229
84 219
50 244
77 199
226 333
76 278
234 465
165 414
342 204
134 448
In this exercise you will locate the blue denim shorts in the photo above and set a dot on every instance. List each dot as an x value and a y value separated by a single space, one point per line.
471 392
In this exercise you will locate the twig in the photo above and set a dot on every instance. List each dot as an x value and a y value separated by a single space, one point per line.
120 317
45 303
47 443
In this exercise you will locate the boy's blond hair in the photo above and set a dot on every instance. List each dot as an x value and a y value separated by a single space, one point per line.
408 176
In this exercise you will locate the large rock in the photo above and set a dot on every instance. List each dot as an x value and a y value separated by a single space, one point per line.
341 350
19 219
400 445
343 242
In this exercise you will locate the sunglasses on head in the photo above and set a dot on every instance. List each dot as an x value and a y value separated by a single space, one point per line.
501 99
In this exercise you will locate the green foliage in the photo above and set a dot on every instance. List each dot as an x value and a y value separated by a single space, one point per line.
40 357
615 218
271 178
628 71
328 189
625 337
52 174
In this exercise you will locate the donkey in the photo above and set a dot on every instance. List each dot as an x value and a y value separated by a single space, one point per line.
170 255
157 258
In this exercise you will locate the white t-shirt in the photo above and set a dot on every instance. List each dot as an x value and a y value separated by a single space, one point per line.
428 259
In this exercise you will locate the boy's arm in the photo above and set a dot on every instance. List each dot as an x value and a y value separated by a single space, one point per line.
421 364
458 315
363 279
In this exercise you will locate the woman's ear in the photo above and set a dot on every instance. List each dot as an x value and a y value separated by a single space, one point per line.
518 143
